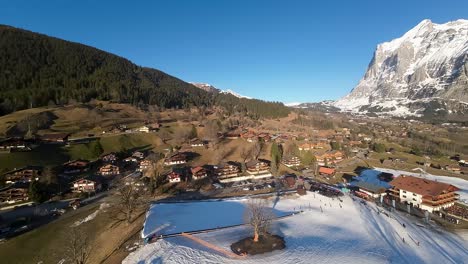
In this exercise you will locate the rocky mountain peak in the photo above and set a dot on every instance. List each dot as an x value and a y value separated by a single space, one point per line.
428 63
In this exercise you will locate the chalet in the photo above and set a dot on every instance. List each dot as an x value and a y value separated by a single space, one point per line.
138 155
144 129
55 138
198 173
178 158
330 157
197 143
249 136
144 165
256 167
109 170
109 158
368 190
326 172
15 144
23 175
75 166
292 161
452 168
423 193
226 171
232 135
289 180
154 126
304 146
176 176
15 193
130 160
87 185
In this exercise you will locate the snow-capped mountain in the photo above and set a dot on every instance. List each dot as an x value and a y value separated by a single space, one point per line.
207 87
210 88
422 73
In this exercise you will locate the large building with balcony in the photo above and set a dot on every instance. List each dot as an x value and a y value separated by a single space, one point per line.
423 193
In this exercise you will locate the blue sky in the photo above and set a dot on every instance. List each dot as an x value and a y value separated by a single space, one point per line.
289 51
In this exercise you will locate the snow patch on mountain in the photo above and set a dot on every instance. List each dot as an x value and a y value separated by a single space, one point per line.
228 91
210 88
429 63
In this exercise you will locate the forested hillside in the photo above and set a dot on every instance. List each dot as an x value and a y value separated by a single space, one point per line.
38 70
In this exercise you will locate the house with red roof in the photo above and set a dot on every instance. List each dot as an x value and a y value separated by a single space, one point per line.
423 193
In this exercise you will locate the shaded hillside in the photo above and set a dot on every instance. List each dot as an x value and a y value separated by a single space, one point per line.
38 70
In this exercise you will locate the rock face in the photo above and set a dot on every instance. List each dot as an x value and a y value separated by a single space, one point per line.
422 73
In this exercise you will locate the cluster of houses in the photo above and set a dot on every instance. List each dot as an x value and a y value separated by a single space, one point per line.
224 172
254 136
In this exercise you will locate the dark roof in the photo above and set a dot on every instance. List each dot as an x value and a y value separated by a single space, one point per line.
55 136
369 187
28 167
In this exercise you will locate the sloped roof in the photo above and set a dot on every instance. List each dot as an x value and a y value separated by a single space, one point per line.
326 170
422 186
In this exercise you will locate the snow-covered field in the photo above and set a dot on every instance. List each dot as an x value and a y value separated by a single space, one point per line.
345 232
460 183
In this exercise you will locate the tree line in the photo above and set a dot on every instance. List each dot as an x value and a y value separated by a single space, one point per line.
37 70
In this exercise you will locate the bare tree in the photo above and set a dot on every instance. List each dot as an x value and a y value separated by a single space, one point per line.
245 154
211 133
129 201
257 149
155 173
259 215
78 248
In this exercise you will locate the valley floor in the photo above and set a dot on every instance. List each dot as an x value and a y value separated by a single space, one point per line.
350 231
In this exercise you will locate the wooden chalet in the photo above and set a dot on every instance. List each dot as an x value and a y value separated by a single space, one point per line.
55 138
255 167
138 155
178 158
196 143
75 166
17 143
326 172
330 157
423 193
289 181
87 185
24 175
15 193
109 170
292 161
109 158
198 173
176 176
227 170
144 165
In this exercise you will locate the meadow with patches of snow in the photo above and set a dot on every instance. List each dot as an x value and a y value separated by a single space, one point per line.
328 231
